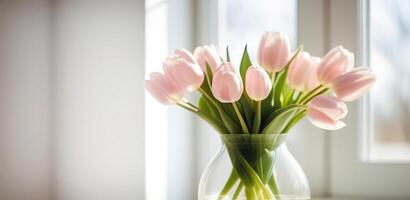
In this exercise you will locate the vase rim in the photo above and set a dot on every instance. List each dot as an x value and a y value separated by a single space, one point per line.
265 139
253 135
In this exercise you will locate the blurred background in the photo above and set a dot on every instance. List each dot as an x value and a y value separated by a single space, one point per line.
76 123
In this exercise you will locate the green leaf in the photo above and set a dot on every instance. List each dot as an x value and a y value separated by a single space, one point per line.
208 74
295 120
266 106
230 112
207 107
228 58
245 63
288 97
246 102
281 118
226 117
248 111
278 88
203 105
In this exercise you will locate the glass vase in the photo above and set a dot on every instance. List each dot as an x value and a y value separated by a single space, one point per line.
253 167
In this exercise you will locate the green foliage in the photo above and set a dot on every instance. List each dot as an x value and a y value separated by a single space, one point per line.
207 107
281 118
246 103
276 112
228 58
208 75
245 63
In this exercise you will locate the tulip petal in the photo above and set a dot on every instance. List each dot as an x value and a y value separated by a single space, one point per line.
335 63
352 85
258 84
227 84
323 121
331 106
163 89
273 51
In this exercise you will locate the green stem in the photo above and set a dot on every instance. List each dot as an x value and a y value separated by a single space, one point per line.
274 187
298 96
237 191
212 121
309 94
241 121
274 77
313 96
295 119
233 178
257 120
230 124
250 193
289 98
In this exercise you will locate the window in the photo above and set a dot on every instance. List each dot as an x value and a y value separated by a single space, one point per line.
388 105
245 21
156 121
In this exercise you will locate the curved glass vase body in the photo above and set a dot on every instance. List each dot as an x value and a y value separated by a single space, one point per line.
253 167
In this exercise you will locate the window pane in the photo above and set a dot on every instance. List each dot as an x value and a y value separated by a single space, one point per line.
243 22
390 58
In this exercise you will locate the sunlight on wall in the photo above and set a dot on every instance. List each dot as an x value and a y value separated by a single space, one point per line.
156 132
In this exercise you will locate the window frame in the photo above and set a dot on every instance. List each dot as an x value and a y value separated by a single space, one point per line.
366 108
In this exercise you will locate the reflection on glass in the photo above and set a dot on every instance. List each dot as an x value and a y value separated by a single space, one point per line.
390 58
245 21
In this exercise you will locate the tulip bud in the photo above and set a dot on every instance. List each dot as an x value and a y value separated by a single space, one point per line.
273 51
183 70
163 89
326 111
185 55
351 85
336 62
227 84
208 54
257 83
302 72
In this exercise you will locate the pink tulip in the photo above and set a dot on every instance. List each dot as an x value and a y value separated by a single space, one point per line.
227 84
183 70
351 85
208 54
302 72
163 89
186 55
336 62
313 82
257 83
273 51
326 111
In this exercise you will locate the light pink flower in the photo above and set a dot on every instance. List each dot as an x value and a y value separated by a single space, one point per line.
302 72
326 111
352 85
163 89
336 62
208 54
183 70
257 83
313 81
227 84
273 51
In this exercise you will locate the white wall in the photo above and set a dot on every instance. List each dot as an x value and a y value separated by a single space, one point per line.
181 136
24 91
97 74
71 108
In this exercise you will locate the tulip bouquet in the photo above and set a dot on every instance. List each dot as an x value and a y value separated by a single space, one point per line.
269 98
